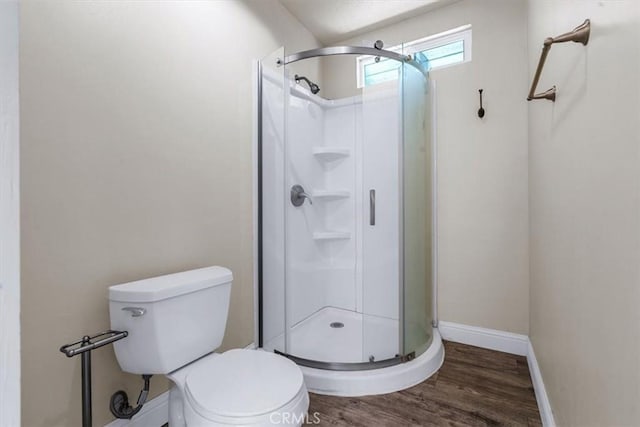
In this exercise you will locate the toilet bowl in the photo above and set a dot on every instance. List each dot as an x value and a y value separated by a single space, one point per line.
239 387
174 323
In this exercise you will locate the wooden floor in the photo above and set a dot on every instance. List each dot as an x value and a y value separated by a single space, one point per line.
474 387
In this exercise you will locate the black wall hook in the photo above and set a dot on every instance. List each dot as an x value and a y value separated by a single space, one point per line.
481 110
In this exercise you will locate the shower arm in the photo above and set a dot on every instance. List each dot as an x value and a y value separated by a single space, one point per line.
314 88
580 34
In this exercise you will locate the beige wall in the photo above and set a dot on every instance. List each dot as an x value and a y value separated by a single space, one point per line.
482 164
585 213
9 218
136 162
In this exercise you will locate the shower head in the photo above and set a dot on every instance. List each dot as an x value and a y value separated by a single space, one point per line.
314 88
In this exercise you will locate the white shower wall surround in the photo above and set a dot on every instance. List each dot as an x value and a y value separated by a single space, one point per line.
331 250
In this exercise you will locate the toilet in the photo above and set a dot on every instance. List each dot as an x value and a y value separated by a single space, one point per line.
175 322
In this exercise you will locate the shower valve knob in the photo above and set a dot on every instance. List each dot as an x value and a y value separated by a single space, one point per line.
298 195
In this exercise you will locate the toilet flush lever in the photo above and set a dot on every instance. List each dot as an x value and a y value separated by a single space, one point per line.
135 311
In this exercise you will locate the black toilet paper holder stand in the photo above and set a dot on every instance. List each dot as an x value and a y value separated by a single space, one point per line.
84 347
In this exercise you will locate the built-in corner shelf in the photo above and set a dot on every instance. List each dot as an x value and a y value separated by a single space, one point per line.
331 235
330 153
330 194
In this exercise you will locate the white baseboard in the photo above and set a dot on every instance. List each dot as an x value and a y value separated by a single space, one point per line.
154 413
541 392
507 342
492 339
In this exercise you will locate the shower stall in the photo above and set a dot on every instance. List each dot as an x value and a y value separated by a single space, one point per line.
346 220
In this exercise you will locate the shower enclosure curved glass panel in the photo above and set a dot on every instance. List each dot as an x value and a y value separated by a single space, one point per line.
346 217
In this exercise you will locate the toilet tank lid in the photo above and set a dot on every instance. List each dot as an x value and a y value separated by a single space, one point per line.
170 285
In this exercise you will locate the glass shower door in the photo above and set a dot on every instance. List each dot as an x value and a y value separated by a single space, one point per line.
346 218
381 225
319 216
417 211
272 201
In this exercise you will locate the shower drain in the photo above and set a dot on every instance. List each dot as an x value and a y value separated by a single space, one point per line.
336 324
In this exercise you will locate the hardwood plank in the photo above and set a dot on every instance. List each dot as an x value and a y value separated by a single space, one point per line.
474 387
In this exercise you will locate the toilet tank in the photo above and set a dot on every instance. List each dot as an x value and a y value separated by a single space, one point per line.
172 320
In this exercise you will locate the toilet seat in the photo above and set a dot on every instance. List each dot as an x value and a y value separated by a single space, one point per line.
245 387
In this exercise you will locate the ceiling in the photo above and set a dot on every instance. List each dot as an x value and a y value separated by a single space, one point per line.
334 20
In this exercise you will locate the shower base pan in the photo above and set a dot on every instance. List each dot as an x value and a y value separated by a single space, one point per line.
314 339
377 381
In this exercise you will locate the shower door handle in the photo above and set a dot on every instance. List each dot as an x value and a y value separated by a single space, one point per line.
372 207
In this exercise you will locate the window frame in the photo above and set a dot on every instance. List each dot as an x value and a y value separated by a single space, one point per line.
462 33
